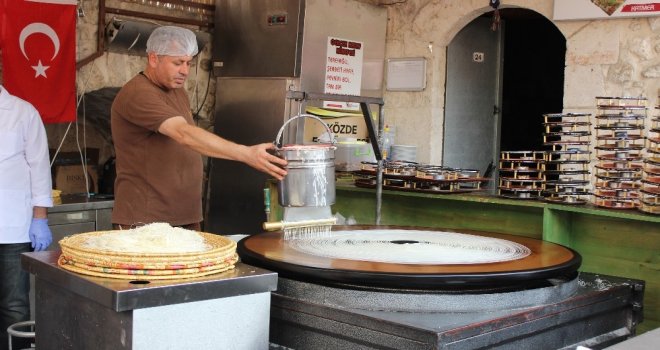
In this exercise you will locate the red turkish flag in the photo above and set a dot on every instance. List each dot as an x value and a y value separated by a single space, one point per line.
38 40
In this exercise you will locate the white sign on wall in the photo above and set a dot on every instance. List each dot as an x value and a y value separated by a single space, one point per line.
406 74
603 9
343 71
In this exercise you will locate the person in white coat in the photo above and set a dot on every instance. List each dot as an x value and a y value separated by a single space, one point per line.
25 195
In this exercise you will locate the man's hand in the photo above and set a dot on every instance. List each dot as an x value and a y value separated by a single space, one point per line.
260 159
40 235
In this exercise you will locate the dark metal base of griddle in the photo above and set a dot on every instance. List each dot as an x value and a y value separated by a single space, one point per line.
603 310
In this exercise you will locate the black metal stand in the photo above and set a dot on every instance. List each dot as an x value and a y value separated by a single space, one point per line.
373 136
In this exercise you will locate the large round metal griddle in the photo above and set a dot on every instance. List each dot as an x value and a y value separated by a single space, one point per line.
546 262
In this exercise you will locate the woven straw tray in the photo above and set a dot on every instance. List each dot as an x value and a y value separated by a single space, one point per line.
145 274
78 258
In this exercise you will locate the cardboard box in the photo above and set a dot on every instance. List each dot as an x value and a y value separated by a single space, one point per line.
68 175
343 125
70 179
71 158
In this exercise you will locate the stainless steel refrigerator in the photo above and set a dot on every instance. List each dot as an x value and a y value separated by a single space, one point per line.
263 50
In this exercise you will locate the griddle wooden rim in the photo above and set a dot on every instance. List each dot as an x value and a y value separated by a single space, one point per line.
395 280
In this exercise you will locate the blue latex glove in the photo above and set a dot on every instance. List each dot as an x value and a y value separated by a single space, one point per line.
40 235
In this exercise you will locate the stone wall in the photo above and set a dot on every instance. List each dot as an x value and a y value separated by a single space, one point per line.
114 69
604 58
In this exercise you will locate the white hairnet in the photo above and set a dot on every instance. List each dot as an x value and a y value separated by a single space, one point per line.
172 41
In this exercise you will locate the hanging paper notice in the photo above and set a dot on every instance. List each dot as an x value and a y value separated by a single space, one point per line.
343 71
602 9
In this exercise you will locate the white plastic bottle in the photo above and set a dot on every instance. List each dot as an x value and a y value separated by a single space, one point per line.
387 141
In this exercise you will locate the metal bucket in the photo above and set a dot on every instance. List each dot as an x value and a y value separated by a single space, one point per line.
310 179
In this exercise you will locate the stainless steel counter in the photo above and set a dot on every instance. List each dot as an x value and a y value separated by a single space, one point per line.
122 295
74 202
220 311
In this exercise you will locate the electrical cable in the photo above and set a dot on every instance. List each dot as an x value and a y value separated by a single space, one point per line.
208 84
206 92
83 157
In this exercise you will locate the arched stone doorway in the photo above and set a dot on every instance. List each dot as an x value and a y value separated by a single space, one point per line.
533 77
497 104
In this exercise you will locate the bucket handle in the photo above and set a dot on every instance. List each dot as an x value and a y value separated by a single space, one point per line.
278 142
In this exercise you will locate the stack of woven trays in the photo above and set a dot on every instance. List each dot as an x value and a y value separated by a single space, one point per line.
77 257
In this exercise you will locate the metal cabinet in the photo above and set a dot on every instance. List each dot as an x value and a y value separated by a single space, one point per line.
77 214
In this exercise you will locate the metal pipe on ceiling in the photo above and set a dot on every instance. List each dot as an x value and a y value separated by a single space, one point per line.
130 37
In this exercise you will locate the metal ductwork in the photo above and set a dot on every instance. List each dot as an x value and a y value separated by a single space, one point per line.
130 37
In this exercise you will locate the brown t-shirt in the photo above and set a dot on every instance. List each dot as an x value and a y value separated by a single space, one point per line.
158 180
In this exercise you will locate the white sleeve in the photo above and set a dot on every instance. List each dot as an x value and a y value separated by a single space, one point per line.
36 154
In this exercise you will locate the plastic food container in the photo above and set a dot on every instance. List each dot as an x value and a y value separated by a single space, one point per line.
350 155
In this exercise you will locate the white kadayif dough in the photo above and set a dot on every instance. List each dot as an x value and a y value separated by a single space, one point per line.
411 247
151 238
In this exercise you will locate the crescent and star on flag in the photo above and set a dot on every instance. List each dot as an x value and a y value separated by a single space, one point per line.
34 28
37 27
39 43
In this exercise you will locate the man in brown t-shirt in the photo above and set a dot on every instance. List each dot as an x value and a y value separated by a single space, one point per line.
158 147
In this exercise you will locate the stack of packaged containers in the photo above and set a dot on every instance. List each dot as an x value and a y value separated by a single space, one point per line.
521 174
650 192
619 153
566 167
